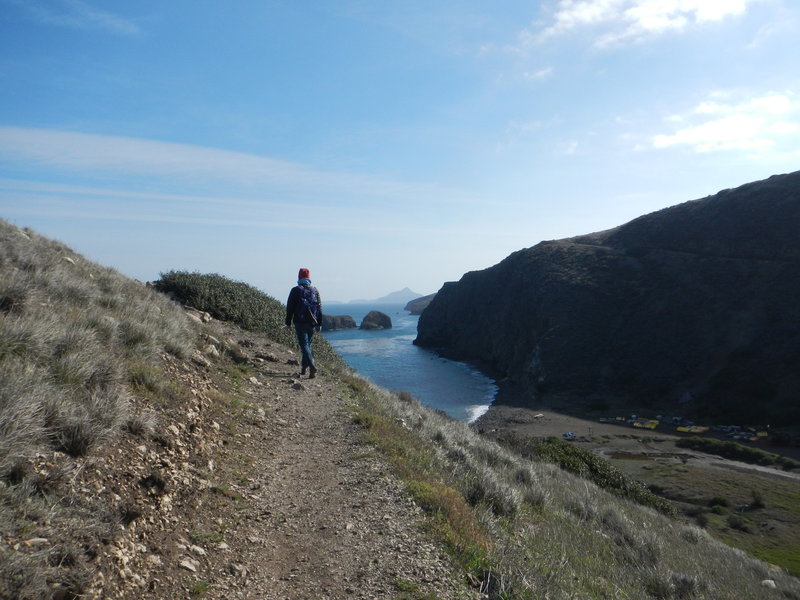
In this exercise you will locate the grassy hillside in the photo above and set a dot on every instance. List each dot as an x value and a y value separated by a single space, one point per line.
78 342
84 361
542 532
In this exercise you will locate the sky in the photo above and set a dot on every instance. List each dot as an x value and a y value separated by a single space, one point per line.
382 145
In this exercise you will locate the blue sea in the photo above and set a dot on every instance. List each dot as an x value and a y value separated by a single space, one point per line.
390 359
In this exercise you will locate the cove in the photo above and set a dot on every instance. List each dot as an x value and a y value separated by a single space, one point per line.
390 359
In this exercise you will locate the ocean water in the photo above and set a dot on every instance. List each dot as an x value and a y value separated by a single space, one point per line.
390 359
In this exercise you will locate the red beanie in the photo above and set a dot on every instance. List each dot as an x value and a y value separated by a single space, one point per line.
304 274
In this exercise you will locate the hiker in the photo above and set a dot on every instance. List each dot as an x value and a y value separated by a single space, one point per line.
304 308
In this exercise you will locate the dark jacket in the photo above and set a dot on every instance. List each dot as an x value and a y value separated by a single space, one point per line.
295 308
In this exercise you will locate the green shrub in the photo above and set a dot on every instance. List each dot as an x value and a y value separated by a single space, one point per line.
238 303
737 522
758 500
587 465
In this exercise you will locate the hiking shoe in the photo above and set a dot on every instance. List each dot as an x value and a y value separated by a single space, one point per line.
313 372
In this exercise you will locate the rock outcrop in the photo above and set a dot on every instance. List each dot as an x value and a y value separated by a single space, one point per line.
376 320
695 305
331 323
415 307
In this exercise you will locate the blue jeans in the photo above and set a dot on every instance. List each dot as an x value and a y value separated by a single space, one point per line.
305 333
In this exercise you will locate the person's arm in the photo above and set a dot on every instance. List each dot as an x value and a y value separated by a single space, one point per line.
319 303
290 306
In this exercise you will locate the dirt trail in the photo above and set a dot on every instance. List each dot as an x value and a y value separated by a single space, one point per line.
285 501
324 519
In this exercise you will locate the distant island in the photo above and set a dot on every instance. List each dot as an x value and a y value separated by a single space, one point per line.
398 297
416 306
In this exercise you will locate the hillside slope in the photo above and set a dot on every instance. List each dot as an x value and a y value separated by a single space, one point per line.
149 451
694 304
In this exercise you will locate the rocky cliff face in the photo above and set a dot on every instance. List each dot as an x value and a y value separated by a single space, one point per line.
698 305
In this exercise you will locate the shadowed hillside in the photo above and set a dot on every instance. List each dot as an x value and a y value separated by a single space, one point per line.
692 306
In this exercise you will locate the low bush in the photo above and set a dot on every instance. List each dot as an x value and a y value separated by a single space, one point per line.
735 451
238 303
587 465
224 299
739 523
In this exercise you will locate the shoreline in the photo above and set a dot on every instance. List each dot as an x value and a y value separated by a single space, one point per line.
509 414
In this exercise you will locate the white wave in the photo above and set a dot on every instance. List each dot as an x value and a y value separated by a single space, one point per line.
475 412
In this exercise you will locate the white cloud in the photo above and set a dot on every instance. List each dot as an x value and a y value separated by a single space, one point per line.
634 19
537 75
76 14
768 123
88 154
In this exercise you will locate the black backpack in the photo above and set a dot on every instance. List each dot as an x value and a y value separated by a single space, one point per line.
307 308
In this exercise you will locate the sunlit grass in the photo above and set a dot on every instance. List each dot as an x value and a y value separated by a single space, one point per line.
573 540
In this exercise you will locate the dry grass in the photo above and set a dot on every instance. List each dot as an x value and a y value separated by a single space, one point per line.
72 337
69 331
546 533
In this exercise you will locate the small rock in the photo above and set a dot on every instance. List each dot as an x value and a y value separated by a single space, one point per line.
197 550
200 359
189 565
194 317
37 541
254 381
769 583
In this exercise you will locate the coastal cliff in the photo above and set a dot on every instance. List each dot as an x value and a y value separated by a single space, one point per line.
694 305
416 306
